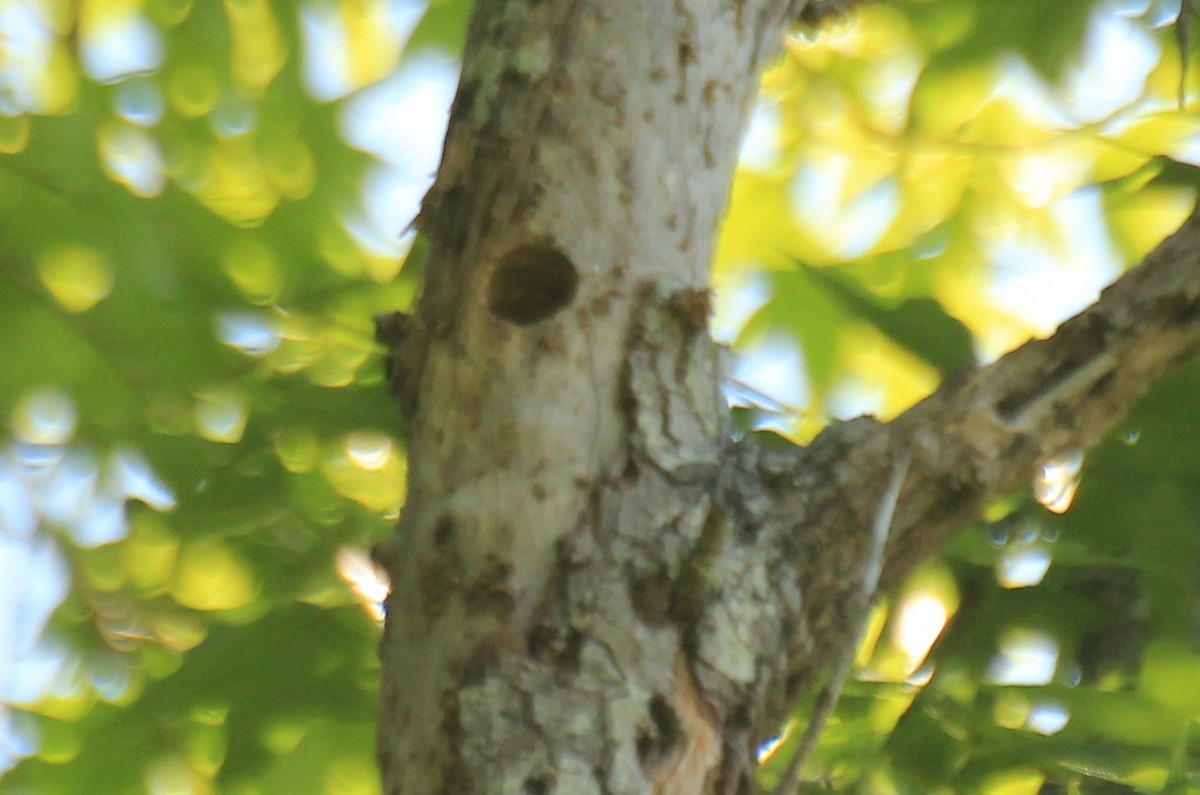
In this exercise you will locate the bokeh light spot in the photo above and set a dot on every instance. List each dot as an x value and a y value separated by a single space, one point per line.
211 577
169 13
221 416
351 775
131 477
206 748
45 416
192 90
132 158
1048 718
289 165
233 116
1022 567
149 554
60 742
1058 480
297 448
1025 657
103 523
173 776
139 101
78 277
380 489
253 335
29 45
368 582
116 40
178 634
258 50
369 450
921 618
109 676
253 268
234 185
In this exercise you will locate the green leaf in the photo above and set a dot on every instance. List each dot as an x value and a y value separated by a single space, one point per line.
1048 35
919 325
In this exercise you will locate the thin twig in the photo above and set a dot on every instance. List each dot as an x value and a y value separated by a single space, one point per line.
789 783
1187 9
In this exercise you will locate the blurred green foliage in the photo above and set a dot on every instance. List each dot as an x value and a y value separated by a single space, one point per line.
933 167
187 286
195 243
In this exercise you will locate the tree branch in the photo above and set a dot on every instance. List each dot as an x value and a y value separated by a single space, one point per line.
881 525
982 437
984 434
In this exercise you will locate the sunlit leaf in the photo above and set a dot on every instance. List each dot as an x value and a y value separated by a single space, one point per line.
919 325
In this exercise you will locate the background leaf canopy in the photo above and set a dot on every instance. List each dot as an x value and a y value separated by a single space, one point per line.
204 204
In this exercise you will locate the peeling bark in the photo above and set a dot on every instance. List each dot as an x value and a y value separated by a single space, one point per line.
595 590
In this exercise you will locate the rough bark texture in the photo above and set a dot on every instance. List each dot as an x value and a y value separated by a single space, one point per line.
594 589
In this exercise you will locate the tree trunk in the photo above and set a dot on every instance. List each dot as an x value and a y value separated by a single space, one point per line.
595 590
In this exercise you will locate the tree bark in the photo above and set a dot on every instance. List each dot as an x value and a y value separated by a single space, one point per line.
596 590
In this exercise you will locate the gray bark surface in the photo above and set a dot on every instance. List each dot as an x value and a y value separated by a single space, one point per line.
595 589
